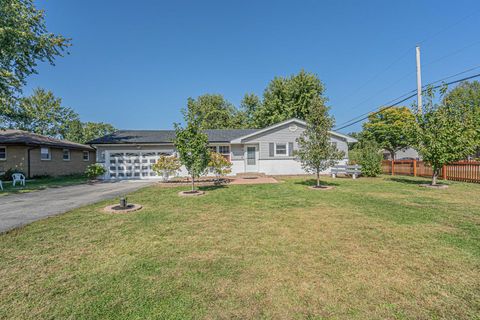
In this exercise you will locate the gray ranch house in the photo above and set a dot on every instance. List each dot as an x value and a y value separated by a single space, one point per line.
130 154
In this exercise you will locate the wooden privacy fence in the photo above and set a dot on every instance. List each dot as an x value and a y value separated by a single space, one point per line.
466 171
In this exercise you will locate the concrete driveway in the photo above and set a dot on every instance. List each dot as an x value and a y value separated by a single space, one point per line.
20 209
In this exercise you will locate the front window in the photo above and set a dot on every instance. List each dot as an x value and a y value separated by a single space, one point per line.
280 149
86 155
66 154
3 153
45 154
225 150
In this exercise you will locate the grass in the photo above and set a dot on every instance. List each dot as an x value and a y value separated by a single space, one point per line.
369 249
42 183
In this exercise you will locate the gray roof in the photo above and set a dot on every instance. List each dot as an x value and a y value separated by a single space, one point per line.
20 137
167 136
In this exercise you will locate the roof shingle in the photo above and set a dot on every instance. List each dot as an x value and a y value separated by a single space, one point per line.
21 137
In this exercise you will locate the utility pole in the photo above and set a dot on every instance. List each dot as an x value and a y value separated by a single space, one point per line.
419 82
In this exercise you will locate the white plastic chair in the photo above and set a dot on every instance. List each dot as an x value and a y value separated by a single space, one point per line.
18 177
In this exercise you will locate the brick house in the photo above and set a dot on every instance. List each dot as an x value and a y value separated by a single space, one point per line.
37 155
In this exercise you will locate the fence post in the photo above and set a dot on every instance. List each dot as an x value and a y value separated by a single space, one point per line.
414 168
393 167
444 172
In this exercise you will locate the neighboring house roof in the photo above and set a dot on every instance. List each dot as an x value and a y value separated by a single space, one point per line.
218 135
166 136
20 137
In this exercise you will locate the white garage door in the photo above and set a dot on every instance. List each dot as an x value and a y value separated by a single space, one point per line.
133 165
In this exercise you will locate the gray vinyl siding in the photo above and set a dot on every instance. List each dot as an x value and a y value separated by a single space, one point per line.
284 135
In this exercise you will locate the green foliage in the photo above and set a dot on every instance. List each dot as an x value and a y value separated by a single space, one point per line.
43 113
7 176
249 106
166 166
213 112
466 97
444 133
95 170
192 146
219 164
391 128
289 97
24 41
82 132
367 153
316 151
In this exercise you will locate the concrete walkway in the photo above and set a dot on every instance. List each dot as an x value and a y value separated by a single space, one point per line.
20 209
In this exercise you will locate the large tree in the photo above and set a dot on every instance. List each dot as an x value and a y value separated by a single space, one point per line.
444 133
248 106
289 97
191 145
391 128
316 151
466 97
24 41
212 111
82 132
43 113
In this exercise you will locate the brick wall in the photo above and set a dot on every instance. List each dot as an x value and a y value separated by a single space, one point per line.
56 166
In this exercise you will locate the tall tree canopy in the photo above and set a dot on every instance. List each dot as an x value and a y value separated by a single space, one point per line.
391 128
444 133
289 97
43 113
316 151
24 41
212 111
248 106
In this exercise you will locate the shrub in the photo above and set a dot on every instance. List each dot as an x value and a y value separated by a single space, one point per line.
166 166
219 165
94 170
368 155
7 176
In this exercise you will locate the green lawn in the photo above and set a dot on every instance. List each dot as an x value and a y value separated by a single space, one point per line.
42 183
369 249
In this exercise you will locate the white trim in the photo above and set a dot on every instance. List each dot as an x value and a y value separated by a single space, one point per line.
247 167
286 149
83 155
63 155
4 159
49 154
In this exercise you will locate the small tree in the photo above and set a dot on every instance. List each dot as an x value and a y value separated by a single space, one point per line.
166 166
219 165
95 170
444 133
316 151
192 147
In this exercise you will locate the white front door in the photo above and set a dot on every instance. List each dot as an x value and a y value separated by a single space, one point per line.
251 158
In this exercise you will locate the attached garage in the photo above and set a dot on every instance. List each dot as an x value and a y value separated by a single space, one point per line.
132 165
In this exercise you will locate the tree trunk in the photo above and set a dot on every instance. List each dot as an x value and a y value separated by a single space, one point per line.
392 155
434 177
318 178
193 183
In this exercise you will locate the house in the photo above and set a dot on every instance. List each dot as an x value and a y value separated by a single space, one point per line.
131 153
404 154
37 155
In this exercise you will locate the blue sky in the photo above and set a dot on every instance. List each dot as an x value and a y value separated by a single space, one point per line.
135 63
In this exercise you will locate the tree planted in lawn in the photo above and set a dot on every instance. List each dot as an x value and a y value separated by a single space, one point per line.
166 166
444 133
316 151
192 147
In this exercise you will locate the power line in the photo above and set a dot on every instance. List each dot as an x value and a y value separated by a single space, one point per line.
405 99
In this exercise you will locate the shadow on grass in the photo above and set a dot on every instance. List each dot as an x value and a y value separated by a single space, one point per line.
413 181
212 188
312 182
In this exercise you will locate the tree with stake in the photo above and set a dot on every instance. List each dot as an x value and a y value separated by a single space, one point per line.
444 133
192 147
316 151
